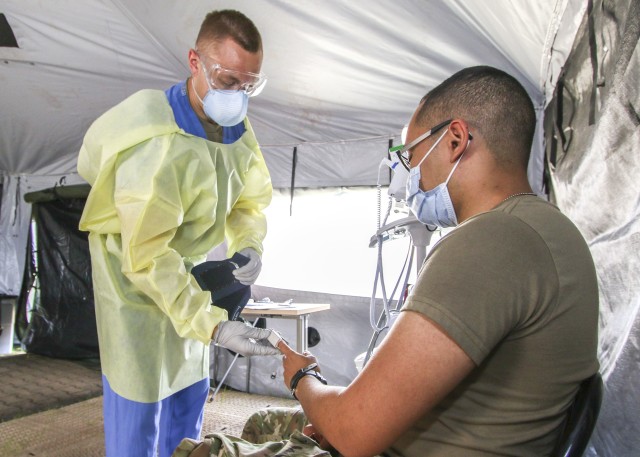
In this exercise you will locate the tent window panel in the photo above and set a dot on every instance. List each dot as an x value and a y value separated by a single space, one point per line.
324 245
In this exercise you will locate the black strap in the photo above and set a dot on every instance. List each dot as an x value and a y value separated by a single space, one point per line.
309 370
389 157
294 164
593 52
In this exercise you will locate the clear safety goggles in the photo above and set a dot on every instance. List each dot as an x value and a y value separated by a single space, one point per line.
223 78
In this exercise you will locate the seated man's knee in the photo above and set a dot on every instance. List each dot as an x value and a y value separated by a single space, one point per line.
273 424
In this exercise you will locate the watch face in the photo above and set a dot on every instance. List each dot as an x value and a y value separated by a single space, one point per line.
313 366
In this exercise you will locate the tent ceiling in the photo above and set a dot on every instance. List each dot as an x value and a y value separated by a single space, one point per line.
337 70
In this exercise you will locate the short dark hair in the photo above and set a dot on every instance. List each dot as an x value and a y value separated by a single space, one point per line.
491 101
221 24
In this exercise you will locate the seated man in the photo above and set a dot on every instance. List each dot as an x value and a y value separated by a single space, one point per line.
501 326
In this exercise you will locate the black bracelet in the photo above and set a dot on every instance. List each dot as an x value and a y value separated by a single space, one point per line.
309 370
299 375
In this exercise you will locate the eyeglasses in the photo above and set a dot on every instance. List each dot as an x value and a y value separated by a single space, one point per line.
402 151
223 78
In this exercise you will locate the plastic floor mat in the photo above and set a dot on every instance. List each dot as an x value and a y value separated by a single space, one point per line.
32 383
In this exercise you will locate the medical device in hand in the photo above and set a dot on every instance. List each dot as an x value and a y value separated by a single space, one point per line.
227 292
274 338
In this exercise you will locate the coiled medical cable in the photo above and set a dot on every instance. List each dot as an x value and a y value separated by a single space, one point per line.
379 328
379 270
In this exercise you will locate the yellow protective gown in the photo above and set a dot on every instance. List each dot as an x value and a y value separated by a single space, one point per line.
161 199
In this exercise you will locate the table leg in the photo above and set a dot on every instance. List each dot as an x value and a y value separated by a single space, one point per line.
302 339
248 375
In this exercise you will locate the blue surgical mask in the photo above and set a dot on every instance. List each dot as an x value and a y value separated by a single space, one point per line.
225 107
432 207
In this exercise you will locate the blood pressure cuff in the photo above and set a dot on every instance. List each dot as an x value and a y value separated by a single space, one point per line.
227 292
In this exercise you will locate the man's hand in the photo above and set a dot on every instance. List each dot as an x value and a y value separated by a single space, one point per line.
244 339
293 361
248 273
310 431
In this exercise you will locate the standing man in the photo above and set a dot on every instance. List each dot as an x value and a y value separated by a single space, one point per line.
173 175
501 326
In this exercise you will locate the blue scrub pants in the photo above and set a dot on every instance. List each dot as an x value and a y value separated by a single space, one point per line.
134 429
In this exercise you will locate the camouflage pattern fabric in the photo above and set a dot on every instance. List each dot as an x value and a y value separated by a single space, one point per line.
268 433
273 424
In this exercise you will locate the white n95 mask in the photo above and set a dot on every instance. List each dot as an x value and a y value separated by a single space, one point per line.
432 207
224 107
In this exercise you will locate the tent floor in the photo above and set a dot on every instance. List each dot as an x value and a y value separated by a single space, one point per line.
33 383
75 429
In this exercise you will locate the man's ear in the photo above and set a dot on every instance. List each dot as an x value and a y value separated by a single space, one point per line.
194 62
459 138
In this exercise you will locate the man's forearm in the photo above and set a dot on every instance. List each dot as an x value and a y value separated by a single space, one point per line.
326 408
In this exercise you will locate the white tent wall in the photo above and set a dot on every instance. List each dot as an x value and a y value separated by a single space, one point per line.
593 139
344 78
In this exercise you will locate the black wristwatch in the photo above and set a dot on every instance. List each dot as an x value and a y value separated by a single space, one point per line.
309 370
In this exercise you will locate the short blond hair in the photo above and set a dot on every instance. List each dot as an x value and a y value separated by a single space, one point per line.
222 24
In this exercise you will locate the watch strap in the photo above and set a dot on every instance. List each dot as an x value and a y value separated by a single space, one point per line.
309 370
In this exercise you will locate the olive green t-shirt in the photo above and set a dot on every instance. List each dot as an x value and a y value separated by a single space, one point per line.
516 289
